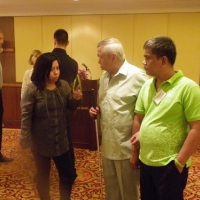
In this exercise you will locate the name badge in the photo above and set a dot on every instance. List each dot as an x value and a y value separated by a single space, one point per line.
159 96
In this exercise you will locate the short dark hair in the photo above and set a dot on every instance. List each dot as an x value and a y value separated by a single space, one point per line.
162 46
61 36
42 69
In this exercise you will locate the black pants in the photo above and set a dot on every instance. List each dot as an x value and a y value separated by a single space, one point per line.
1 119
69 136
162 183
65 171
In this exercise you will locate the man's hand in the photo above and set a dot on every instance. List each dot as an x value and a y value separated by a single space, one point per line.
135 150
135 140
134 159
180 169
94 111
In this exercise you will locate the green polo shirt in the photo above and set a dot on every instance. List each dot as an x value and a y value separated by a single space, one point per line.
167 113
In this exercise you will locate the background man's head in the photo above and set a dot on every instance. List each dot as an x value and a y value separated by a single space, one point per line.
61 37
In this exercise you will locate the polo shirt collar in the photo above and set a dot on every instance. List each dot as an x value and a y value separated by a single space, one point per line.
178 74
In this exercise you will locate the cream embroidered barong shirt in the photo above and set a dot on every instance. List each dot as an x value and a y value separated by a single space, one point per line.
117 99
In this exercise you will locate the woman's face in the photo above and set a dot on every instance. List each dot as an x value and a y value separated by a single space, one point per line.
54 73
34 58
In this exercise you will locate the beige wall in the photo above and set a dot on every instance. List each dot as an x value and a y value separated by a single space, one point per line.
132 30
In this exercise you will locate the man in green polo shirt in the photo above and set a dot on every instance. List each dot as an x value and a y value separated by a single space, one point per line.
166 124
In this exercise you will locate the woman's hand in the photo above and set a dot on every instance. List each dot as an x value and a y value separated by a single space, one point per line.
77 94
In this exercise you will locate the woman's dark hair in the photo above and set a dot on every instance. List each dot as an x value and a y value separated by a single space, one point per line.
42 69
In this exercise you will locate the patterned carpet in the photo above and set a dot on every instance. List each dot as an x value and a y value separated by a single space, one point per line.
16 178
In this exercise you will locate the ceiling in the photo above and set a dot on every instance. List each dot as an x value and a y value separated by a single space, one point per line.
83 7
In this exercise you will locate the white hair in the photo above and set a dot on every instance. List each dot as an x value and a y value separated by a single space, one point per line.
112 46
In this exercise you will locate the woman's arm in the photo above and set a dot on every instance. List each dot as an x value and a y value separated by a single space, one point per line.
77 95
27 104
24 83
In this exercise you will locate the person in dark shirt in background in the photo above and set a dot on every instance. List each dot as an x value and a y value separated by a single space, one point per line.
2 158
68 72
69 67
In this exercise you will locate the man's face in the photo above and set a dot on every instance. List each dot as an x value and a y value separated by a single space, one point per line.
152 64
105 60
1 39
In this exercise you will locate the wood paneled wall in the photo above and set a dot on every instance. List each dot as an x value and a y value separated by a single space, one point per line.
11 101
131 29
11 90
8 56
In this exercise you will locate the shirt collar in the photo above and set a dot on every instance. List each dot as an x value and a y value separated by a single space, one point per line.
178 74
123 69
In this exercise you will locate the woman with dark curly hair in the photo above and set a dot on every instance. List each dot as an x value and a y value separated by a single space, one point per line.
43 125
